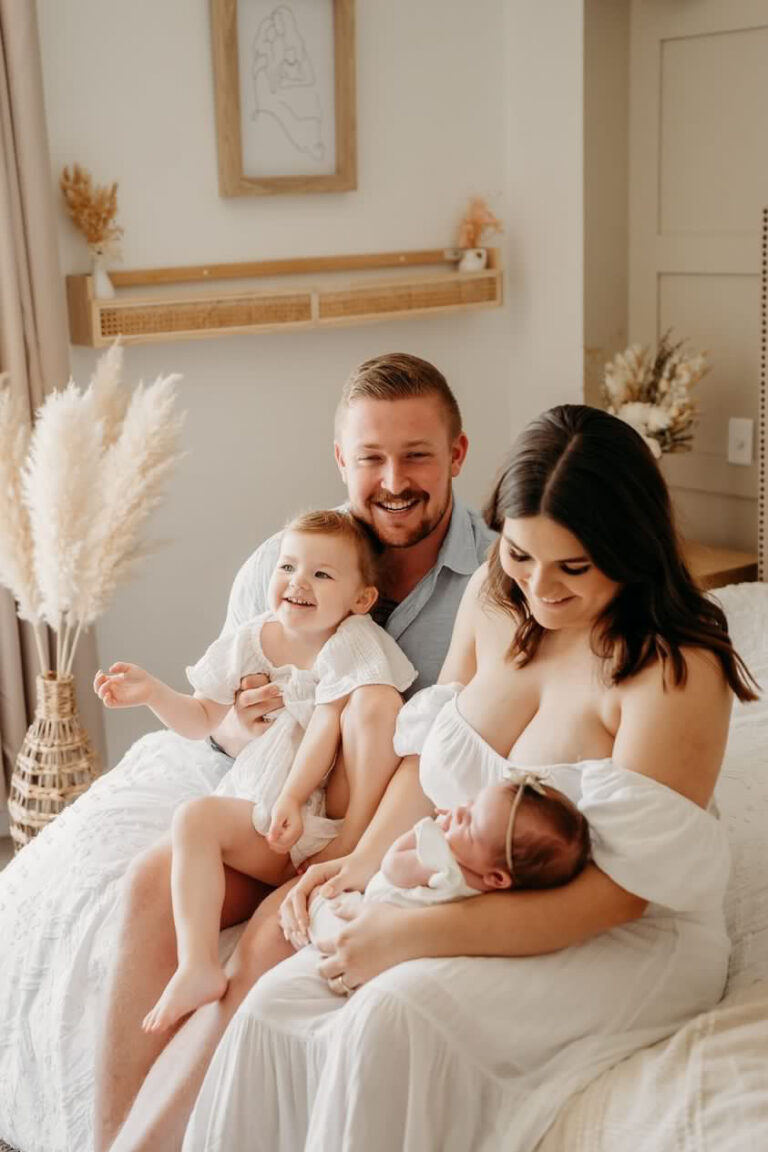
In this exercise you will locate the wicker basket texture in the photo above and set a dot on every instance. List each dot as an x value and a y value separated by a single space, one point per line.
56 763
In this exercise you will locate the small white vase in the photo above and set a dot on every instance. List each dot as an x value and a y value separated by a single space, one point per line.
473 260
102 285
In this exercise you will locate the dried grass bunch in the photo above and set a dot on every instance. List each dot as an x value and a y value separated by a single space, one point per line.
92 209
74 495
652 392
477 220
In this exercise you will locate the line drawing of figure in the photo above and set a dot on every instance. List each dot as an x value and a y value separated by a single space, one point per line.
284 82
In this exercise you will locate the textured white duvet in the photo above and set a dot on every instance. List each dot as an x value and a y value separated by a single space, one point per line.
704 1089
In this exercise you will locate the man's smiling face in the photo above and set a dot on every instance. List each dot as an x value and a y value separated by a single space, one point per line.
397 460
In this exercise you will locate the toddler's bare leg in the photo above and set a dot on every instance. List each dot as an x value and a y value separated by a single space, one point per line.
207 834
145 960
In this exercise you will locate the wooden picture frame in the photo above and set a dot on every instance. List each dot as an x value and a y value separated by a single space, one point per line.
292 48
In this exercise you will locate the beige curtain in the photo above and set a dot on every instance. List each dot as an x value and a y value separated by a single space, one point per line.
34 344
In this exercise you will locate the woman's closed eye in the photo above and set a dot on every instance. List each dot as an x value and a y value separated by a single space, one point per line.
570 570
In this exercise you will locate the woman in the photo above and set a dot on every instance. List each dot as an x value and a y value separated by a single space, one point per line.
582 649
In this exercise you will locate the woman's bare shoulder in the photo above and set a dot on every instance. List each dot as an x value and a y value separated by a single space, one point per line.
676 733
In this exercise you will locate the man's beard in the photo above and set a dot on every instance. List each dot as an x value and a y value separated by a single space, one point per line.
415 534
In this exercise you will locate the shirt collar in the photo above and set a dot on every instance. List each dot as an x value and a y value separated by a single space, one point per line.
459 548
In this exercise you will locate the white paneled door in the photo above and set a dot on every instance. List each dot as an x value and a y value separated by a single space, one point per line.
698 179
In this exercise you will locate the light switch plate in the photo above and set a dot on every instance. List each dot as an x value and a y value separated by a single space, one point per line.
741 435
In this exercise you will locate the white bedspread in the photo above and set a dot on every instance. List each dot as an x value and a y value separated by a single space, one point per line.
706 1088
703 1089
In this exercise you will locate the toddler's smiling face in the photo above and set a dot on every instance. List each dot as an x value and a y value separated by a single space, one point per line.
317 582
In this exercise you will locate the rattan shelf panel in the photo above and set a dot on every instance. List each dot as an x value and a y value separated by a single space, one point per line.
171 314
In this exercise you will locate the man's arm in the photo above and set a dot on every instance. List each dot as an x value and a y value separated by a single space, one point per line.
257 697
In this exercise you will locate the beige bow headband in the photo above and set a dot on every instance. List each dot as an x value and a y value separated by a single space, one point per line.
523 780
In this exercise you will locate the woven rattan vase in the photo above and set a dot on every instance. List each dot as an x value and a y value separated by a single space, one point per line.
56 762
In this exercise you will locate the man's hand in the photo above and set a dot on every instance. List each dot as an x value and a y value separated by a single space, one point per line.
255 701
287 825
124 686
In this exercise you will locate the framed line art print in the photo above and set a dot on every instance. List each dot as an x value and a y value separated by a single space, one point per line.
284 81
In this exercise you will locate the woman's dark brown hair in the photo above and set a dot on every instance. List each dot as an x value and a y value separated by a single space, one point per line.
596 477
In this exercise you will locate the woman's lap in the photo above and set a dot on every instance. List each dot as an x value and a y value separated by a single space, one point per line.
446 1053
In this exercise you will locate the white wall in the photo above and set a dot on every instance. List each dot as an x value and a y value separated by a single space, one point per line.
544 173
453 100
606 187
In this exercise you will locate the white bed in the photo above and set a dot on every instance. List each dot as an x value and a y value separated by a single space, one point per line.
704 1089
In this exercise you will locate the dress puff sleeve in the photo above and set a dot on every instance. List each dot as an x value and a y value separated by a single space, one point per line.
360 653
652 840
415 718
218 673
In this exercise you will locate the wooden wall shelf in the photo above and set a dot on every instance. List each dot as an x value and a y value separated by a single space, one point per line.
407 284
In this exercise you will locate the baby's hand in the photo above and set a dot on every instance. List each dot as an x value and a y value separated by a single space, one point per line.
287 825
123 686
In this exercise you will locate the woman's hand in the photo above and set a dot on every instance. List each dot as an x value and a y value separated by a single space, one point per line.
124 686
347 873
376 937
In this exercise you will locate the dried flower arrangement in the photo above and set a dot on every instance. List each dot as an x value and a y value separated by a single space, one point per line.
74 494
476 221
652 392
92 209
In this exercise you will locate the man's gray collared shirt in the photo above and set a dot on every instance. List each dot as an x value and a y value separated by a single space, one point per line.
422 623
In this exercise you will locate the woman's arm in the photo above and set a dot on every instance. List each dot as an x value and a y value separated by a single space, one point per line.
460 663
676 734
524 923
402 805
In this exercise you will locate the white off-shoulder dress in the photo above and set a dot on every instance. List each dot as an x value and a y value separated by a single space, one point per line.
359 653
480 1053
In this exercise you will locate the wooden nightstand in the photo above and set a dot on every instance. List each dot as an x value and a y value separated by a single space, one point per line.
714 567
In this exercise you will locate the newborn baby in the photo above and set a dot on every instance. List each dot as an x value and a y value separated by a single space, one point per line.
512 835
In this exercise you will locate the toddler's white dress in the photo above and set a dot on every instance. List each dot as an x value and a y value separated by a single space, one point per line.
480 1053
446 883
359 653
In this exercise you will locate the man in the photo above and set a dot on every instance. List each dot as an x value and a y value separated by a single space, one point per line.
399 444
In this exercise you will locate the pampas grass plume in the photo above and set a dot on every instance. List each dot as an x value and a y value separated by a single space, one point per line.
133 474
61 490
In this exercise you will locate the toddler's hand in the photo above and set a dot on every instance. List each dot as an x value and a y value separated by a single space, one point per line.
123 686
287 825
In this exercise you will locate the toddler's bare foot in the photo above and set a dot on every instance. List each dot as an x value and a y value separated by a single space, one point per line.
186 990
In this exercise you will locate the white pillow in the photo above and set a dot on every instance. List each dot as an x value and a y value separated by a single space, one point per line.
742 791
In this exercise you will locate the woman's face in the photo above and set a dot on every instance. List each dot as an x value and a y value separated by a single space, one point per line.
563 587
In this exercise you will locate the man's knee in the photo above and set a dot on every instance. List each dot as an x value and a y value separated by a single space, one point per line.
147 883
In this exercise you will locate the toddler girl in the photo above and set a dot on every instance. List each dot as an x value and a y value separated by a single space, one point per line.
318 644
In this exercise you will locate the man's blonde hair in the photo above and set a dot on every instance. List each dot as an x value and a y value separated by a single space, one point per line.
399 376
336 522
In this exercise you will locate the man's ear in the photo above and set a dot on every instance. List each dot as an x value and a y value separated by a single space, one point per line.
497 878
339 457
458 454
366 600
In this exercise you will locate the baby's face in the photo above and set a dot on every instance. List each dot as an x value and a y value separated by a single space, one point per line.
476 833
317 582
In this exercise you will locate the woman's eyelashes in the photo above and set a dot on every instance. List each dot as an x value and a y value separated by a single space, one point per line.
520 558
